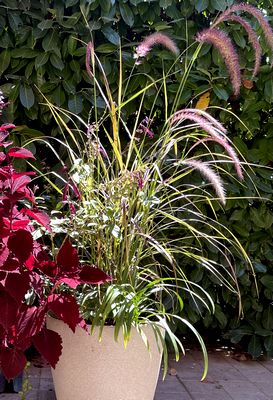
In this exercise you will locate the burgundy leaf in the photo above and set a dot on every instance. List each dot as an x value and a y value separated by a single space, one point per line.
38 256
49 268
76 190
49 344
65 191
21 244
7 143
17 174
13 361
17 285
93 275
11 264
8 310
31 263
19 224
20 183
2 279
39 216
3 134
4 252
4 127
30 322
4 174
71 282
4 231
65 307
20 152
37 283
67 258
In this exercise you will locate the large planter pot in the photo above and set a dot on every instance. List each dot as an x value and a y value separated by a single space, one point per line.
93 370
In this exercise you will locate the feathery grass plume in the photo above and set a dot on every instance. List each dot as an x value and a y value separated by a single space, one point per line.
201 121
256 13
252 36
154 39
213 128
89 56
223 43
209 174
229 149
204 114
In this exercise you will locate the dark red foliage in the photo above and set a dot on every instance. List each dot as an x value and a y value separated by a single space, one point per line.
93 275
26 267
13 361
49 344
67 258
65 307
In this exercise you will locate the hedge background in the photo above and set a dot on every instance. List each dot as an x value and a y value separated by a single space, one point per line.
42 51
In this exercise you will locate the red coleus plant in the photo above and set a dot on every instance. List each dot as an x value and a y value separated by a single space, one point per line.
25 266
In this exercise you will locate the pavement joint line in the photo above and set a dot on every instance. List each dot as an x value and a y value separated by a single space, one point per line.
264 366
184 386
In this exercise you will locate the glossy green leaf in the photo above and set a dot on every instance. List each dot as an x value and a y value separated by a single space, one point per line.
267 281
220 316
219 5
106 5
75 104
106 48
71 44
126 13
255 346
268 344
46 24
26 96
24 53
267 319
70 3
41 59
239 39
111 35
4 60
94 25
58 96
201 5
50 41
259 267
268 90
15 20
56 62
220 92
69 87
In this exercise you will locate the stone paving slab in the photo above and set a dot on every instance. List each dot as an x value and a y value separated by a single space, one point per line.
227 379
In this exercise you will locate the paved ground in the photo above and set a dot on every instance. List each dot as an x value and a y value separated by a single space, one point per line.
230 378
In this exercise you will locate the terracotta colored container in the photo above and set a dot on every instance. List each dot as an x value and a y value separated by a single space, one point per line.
93 370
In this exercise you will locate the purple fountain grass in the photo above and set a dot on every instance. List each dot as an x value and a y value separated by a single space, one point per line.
179 114
228 148
252 36
199 120
213 127
89 56
156 38
224 45
209 174
256 13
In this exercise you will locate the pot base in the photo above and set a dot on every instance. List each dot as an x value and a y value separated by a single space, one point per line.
93 370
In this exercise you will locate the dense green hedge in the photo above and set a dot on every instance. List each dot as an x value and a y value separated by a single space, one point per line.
42 51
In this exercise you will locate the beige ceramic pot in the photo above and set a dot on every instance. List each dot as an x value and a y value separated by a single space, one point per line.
93 370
